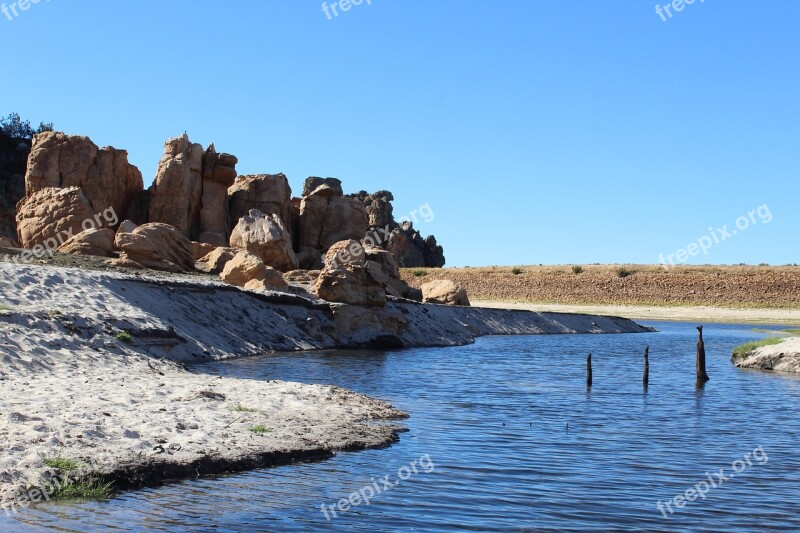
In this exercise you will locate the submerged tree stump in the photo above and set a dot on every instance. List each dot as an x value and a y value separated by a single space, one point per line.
646 374
700 364
589 371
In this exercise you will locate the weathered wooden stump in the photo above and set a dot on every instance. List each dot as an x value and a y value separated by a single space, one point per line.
700 364
589 371
646 374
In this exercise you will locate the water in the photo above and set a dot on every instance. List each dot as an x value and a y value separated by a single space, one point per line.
492 417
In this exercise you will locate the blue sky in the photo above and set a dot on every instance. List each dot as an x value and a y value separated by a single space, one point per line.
538 132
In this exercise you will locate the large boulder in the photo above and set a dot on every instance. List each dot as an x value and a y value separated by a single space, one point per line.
350 284
248 271
155 245
267 237
51 216
267 193
444 292
176 195
107 179
97 242
412 251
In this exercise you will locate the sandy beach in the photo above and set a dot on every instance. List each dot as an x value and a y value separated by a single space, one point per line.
93 369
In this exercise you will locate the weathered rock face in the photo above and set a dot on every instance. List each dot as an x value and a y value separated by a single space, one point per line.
379 208
104 174
13 160
412 251
267 193
52 216
177 192
326 217
267 237
219 173
248 271
405 243
444 292
190 191
332 184
155 245
98 242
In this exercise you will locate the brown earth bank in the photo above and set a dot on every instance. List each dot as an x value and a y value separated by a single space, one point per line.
652 285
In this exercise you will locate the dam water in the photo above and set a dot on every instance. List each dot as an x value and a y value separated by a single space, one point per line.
503 435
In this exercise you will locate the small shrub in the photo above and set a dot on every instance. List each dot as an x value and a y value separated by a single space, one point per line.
124 336
61 463
260 429
242 409
420 273
516 271
623 272
577 269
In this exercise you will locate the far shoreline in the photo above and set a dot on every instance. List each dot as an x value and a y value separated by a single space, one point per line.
670 313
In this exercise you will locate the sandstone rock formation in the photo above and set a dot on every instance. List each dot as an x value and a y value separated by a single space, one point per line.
190 191
155 245
13 160
267 237
51 216
104 174
98 242
326 217
267 193
404 242
176 194
444 292
248 271
219 173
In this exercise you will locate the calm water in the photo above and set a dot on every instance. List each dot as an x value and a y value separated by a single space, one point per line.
492 417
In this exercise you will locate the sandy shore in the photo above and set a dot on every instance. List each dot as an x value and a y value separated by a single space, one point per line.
93 369
782 357
669 313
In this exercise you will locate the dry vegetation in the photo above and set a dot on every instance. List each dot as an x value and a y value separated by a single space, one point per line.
722 286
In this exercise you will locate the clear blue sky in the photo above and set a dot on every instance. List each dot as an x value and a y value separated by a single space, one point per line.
546 132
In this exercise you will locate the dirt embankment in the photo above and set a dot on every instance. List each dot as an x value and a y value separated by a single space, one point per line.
719 286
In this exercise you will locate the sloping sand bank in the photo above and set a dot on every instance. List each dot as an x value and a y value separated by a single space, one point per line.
783 357
92 368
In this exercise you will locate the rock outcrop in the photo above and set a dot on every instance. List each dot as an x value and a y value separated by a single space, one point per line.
326 217
98 242
103 174
248 271
444 292
154 245
267 237
177 192
13 160
364 269
51 216
190 191
267 193
219 173
407 245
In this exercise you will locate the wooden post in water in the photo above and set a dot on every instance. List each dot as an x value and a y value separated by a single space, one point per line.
589 371
646 375
702 376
